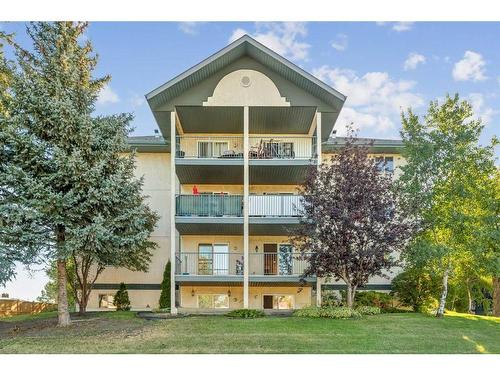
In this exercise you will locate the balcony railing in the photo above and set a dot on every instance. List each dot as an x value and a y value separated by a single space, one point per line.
220 205
212 264
211 205
287 147
283 263
231 147
209 147
275 205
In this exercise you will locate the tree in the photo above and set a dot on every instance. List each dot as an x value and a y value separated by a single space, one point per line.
416 288
164 302
49 291
353 225
67 191
121 300
440 181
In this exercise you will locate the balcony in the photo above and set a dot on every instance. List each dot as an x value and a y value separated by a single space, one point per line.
219 159
223 214
211 159
281 266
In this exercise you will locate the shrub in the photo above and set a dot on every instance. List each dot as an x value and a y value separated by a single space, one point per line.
121 301
165 288
374 299
328 312
368 310
245 314
416 288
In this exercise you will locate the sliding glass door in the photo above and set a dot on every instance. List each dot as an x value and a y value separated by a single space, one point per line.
213 259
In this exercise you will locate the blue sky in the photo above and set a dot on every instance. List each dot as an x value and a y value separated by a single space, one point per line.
381 67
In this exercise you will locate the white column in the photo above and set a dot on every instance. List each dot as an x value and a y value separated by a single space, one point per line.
246 189
318 136
173 142
318 152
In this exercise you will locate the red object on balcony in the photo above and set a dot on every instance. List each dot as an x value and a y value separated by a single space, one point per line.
195 190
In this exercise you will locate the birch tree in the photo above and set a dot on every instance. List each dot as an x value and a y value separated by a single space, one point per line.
440 183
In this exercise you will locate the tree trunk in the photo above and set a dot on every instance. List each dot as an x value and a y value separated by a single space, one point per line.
496 296
444 293
62 296
469 299
351 292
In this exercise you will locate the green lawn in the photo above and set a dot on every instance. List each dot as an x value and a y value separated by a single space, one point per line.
124 333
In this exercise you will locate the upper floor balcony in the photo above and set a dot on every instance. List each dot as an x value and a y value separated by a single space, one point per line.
272 158
223 213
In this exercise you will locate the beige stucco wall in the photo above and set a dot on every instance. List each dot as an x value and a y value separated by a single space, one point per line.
238 189
301 299
155 168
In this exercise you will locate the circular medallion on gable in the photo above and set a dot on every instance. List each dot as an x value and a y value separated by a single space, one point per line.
245 81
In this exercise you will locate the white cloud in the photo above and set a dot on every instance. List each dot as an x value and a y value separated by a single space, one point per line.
397 26
137 100
281 37
190 28
481 110
340 43
107 96
402 26
374 100
413 60
470 68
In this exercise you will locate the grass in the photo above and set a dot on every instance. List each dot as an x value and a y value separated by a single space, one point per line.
387 333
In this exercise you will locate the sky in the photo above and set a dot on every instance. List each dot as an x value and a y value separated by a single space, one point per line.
382 67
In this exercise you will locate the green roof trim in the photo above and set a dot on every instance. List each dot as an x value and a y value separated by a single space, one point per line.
149 144
392 146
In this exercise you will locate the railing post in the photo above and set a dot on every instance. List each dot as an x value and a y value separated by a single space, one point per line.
246 191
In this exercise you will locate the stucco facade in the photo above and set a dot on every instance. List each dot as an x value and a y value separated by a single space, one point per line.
239 132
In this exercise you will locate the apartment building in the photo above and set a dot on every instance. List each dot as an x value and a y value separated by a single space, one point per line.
238 134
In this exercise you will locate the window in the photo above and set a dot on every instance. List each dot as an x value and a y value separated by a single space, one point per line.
278 302
212 149
213 301
106 301
385 163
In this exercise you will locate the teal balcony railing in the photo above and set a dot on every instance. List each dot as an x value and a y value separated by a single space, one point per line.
210 205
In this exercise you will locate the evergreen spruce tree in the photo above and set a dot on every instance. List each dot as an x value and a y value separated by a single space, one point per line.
66 190
165 288
121 300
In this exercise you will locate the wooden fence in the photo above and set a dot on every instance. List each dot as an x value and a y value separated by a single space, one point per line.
11 307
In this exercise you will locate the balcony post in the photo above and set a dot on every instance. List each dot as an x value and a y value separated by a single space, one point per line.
246 181
173 309
318 152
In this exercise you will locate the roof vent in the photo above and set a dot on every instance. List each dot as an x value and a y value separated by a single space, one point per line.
245 81
157 133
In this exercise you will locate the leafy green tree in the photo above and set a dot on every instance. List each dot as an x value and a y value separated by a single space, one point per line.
164 302
121 300
416 288
444 163
67 189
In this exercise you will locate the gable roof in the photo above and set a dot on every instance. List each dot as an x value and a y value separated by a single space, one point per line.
240 47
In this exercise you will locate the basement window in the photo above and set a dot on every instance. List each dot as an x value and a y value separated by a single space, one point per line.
213 301
106 301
